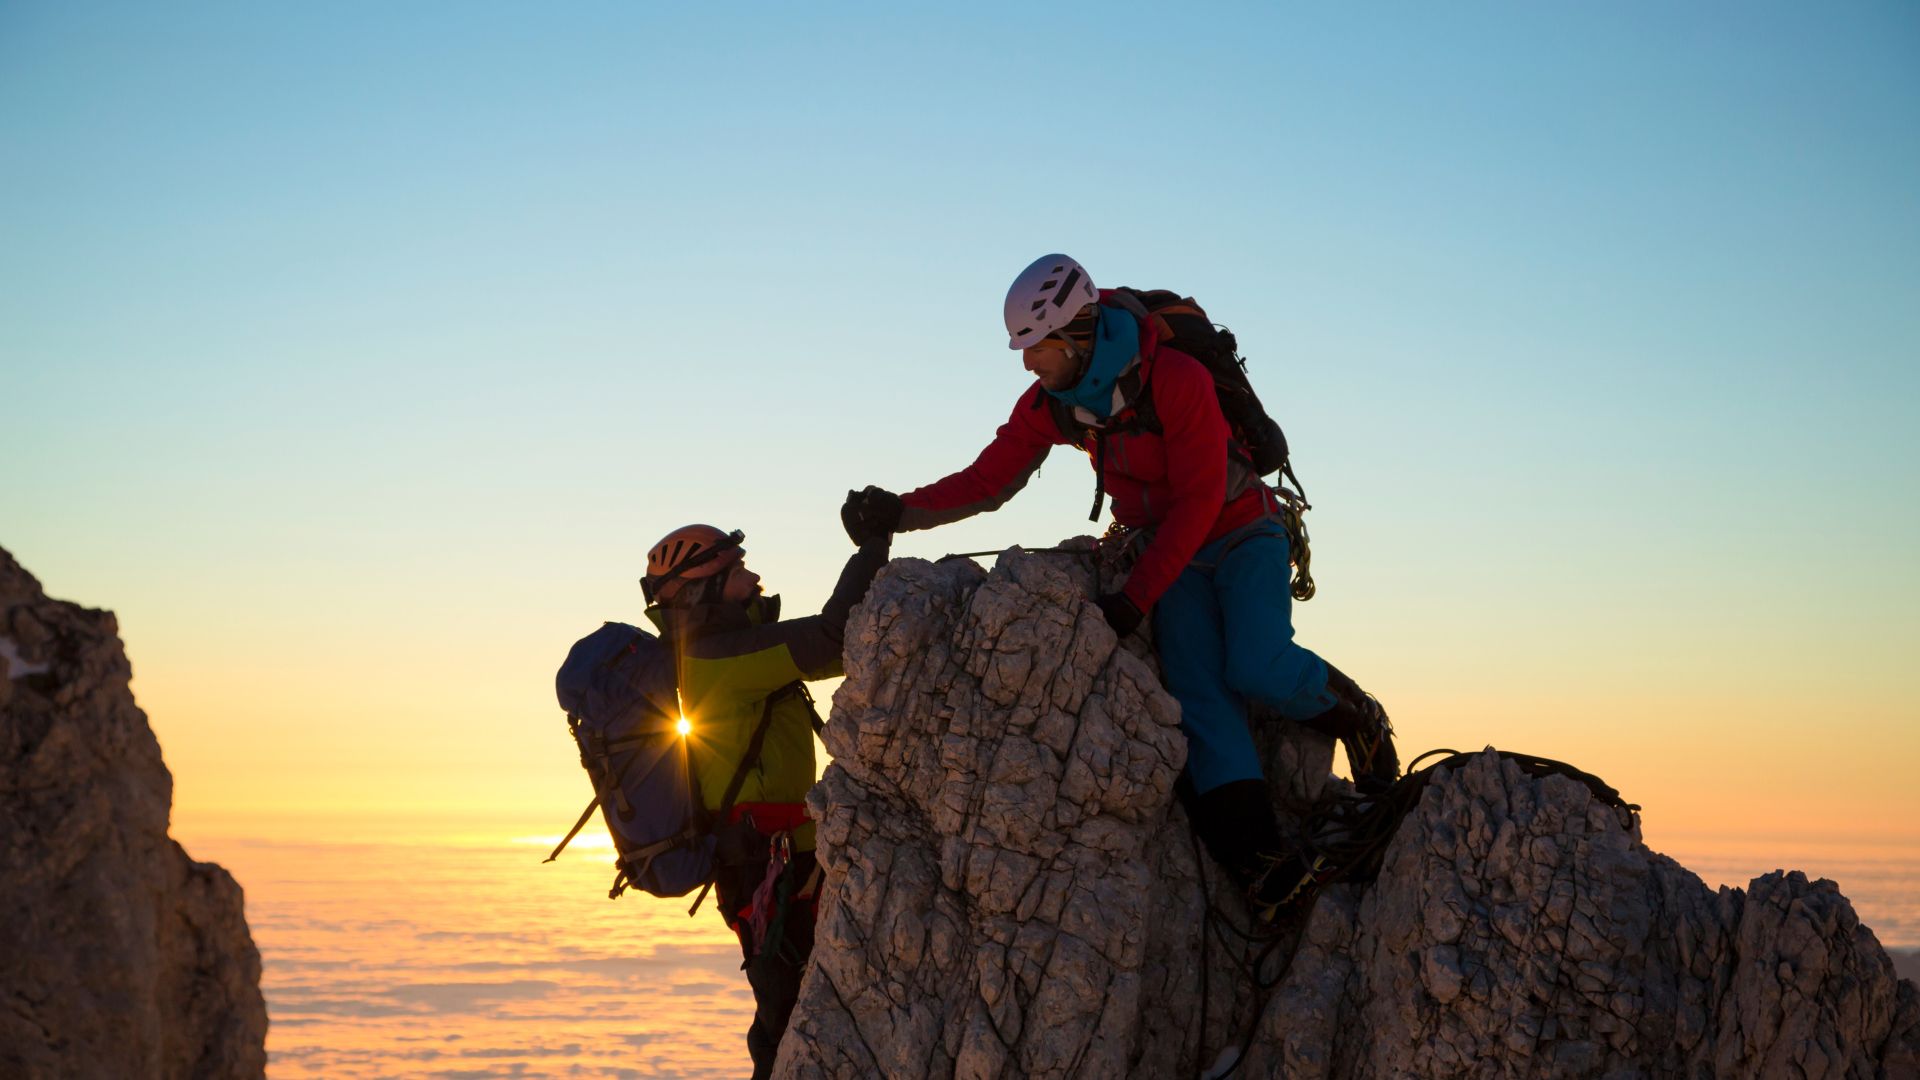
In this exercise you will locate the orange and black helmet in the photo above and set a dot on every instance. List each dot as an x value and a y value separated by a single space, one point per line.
689 553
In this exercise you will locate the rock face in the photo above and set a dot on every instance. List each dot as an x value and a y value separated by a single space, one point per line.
1012 890
119 955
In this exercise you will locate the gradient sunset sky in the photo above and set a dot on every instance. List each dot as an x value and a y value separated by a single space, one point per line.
354 353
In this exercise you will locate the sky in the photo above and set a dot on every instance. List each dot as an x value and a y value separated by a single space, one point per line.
355 353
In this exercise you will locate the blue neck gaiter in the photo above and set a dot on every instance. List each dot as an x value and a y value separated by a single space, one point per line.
1116 341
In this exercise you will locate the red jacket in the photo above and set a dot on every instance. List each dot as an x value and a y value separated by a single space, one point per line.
1174 481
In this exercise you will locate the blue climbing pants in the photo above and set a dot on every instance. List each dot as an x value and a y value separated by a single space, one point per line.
1224 631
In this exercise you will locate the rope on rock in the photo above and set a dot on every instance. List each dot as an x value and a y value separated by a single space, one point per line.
1353 833
1212 922
1025 550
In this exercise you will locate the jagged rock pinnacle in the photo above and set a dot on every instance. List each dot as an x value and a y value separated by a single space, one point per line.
1011 890
119 955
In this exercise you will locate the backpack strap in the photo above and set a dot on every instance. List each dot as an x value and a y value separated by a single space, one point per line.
599 796
1140 417
1070 427
1099 478
585 815
747 761
752 756
697 829
813 711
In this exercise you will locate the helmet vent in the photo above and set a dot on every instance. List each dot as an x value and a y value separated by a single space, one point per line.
1060 298
1048 293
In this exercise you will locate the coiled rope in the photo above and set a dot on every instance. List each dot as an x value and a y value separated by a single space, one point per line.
1293 509
1353 833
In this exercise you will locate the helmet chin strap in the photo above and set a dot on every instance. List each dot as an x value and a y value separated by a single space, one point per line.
1083 359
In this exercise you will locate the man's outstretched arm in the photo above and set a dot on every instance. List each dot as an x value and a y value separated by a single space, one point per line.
998 474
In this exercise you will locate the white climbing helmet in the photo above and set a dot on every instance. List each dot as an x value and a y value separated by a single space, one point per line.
1045 297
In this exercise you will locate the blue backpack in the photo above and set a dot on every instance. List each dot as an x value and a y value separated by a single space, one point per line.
619 689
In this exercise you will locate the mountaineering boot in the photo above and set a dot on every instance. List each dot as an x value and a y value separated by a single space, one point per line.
1360 723
1236 823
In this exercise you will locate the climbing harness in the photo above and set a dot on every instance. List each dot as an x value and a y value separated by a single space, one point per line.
773 903
772 900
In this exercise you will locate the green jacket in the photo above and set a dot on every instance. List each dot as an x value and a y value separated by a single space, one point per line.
732 657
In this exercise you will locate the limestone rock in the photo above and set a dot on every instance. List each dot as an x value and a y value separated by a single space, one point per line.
1011 890
119 954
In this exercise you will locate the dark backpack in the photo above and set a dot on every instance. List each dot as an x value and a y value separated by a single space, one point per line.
620 692
1256 439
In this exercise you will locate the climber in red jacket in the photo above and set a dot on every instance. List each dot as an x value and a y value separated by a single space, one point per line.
1215 573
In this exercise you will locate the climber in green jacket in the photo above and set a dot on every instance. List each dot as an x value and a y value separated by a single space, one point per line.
740 663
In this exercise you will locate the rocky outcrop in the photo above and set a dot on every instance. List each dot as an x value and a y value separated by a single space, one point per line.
1011 890
119 955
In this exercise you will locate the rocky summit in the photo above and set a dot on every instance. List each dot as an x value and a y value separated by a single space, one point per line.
1011 890
120 956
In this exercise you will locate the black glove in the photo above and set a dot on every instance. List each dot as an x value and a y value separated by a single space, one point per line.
870 514
1120 613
